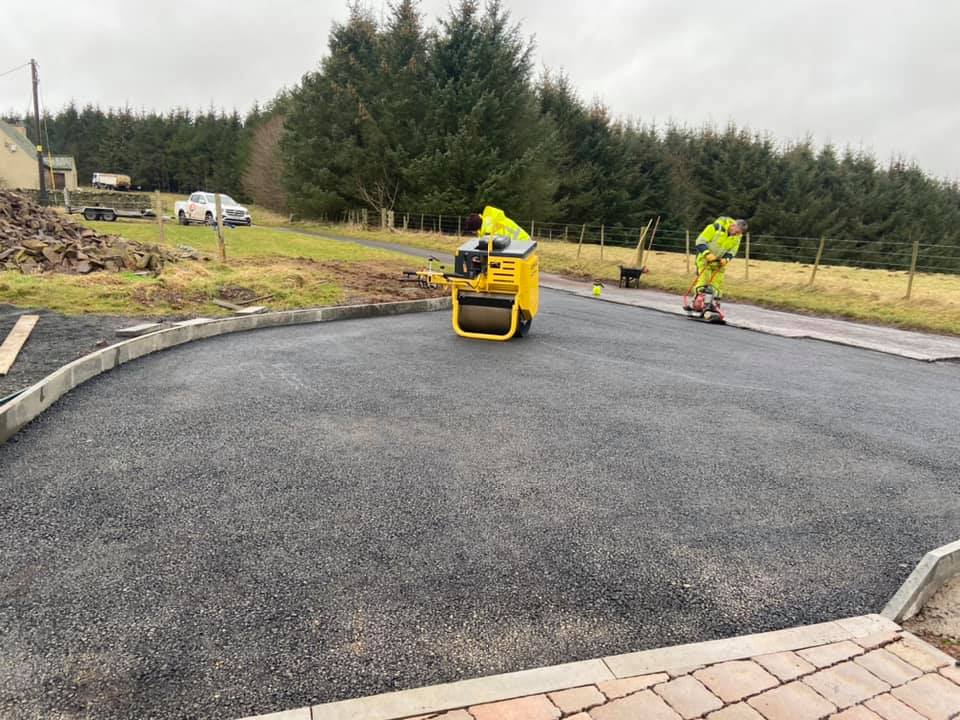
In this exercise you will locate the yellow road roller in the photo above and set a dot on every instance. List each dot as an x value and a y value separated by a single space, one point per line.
495 286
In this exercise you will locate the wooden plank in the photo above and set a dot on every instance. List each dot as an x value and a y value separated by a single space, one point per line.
15 340
261 298
225 304
252 310
136 330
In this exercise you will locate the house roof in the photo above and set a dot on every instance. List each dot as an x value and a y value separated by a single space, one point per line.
60 162
8 133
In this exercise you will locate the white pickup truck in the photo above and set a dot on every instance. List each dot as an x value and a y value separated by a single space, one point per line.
201 207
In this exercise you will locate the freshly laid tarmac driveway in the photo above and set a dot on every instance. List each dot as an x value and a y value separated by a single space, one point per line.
273 519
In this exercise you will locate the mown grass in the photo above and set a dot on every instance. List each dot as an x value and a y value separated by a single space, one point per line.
867 295
297 270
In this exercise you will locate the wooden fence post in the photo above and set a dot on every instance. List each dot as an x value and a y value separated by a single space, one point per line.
601 242
746 264
383 218
218 207
163 239
583 230
421 222
816 263
913 267
565 228
687 254
458 226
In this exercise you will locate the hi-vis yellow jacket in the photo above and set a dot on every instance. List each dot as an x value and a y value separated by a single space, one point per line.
715 239
495 222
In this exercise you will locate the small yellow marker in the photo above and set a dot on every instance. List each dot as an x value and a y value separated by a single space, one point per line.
597 288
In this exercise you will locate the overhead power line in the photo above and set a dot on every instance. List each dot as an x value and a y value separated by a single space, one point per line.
13 70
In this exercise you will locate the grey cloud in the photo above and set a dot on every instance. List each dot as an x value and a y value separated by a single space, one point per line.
876 74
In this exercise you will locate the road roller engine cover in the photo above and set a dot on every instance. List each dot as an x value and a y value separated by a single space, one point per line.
495 287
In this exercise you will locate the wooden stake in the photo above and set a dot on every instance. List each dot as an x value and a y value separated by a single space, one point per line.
601 242
583 230
163 240
440 225
746 265
643 234
421 222
816 263
565 229
532 227
219 210
458 226
913 267
15 340
650 244
687 255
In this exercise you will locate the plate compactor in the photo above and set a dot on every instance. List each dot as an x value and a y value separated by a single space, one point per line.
495 287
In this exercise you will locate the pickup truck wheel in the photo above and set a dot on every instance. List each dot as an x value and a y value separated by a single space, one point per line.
183 218
208 218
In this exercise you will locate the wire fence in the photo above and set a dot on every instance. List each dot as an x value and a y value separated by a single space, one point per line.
903 255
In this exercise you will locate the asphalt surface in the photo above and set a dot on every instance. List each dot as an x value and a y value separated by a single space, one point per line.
271 519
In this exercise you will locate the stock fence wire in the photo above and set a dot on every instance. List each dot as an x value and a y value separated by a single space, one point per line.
886 254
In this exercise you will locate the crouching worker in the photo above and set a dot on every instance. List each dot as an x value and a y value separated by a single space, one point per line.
715 248
493 221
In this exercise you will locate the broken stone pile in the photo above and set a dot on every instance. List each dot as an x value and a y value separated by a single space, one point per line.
36 239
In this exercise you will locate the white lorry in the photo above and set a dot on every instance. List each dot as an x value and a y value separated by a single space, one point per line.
111 181
200 207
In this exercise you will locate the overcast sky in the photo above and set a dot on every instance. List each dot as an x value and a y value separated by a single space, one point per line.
879 74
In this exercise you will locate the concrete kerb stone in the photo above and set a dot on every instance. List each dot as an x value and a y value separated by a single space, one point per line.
476 691
34 400
931 573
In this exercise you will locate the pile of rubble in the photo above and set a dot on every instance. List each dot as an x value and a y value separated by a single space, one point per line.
36 239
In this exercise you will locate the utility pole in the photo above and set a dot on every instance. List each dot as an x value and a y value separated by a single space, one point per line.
36 118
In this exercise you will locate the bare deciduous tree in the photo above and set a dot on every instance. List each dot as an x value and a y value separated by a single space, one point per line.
263 177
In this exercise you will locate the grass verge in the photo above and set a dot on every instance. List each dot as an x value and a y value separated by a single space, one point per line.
297 270
873 296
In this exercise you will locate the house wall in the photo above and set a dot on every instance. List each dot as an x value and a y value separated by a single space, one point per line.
17 168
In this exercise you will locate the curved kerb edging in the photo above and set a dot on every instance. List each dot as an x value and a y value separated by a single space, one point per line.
931 573
37 398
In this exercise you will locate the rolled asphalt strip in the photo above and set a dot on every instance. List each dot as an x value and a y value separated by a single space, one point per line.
935 569
23 407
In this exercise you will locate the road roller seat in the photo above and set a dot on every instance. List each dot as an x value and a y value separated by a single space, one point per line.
500 242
